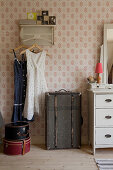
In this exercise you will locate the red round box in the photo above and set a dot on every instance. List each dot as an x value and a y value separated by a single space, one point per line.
16 147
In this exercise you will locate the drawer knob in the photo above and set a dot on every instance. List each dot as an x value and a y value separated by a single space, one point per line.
108 117
108 100
108 136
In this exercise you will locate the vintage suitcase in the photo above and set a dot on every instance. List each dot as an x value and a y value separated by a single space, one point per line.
17 131
63 120
16 147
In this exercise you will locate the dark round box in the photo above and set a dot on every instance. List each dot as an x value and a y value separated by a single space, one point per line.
17 131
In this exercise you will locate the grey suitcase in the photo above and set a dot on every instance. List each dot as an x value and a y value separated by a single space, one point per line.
63 120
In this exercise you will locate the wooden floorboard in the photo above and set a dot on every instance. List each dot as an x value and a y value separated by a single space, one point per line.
41 159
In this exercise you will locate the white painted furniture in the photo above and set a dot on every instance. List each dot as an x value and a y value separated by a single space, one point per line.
100 104
40 34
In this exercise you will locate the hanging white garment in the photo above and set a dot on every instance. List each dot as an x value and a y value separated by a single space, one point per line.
36 84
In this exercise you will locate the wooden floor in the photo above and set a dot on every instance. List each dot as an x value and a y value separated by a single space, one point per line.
41 159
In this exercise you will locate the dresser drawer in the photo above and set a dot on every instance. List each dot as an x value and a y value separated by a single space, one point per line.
104 117
104 136
105 100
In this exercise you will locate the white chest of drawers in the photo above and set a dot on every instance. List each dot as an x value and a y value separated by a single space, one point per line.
100 104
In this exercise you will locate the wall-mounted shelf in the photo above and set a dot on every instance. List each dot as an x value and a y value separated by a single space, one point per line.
40 34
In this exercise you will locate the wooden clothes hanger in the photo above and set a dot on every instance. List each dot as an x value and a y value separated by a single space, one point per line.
33 46
18 48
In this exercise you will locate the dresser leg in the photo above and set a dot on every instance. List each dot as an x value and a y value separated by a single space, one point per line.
94 151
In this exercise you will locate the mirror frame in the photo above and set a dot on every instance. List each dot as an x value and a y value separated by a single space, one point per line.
105 56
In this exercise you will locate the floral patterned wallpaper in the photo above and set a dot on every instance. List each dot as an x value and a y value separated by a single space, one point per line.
78 36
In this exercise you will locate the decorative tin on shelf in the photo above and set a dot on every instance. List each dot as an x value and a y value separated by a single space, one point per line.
63 120
45 13
46 18
17 131
32 15
39 20
16 147
52 20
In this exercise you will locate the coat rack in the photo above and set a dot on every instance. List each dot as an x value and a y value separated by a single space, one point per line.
40 34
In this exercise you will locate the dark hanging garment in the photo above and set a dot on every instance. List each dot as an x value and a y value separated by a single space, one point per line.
20 71
24 79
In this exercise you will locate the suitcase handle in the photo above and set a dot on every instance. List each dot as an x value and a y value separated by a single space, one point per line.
23 134
62 90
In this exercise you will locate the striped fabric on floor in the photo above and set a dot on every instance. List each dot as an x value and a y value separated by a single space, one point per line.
104 164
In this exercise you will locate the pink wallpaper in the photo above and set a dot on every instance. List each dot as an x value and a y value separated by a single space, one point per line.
78 36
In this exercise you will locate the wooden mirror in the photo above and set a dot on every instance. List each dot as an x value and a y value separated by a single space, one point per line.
107 76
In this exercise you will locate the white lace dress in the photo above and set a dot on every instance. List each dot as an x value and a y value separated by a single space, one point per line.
36 84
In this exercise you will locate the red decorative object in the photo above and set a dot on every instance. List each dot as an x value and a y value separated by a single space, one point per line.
99 70
16 147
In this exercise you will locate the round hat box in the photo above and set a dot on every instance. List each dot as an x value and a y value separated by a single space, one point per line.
17 131
16 147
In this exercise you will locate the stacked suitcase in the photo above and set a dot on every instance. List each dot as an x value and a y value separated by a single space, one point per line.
63 120
17 140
